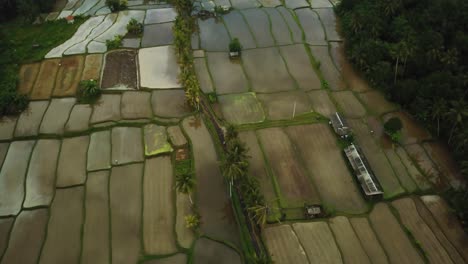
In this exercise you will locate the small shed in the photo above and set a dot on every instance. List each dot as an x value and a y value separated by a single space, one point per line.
340 126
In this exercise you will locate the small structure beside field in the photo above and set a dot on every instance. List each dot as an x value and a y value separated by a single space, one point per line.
369 183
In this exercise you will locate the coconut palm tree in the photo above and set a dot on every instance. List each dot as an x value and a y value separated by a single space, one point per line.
185 183
439 109
458 110
235 164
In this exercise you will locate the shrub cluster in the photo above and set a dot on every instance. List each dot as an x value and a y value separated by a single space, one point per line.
135 27
88 91
116 5
183 29
114 43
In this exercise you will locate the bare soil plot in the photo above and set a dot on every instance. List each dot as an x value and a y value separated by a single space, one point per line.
350 105
96 246
175 259
377 159
376 102
267 71
300 67
12 177
56 116
241 108
176 136
238 28
169 103
269 3
127 145
207 251
27 76
245 4
441 156
283 245
30 119
428 168
294 182
72 162
327 167
399 168
106 109
318 242
45 79
349 243
3 152
412 220
330 73
354 80
296 31
92 67
79 118
213 35
26 237
437 230
260 25
7 127
63 240
228 76
99 153
416 175
320 4
157 35
283 105
203 75
212 195
158 207
156 140
40 180
125 211
329 21
257 166
448 223
293 4
160 15
185 235
412 132
310 23
68 76
120 70
393 238
5 226
136 105
321 103
368 240
279 28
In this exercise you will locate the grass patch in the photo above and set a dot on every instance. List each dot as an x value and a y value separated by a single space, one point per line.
183 167
22 42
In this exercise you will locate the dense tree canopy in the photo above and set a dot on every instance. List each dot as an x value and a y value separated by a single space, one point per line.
416 52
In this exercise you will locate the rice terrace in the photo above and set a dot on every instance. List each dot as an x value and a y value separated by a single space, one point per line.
233 131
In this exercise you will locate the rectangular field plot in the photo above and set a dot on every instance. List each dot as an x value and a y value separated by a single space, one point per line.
292 178
412 220
393 238
448 223
348 241
369 240
318 242
283 245
326 165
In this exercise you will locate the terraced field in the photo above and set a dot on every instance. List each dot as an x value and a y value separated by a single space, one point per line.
95 183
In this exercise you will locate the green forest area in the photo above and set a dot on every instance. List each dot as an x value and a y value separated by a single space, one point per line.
416 52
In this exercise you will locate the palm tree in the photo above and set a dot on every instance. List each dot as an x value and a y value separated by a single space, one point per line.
236 163
457 112
185 183
439 109
260 213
